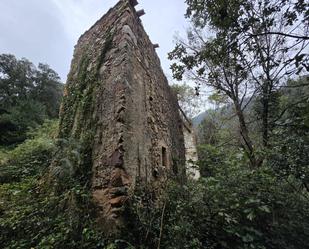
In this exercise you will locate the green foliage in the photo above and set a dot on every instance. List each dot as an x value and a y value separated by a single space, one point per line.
144 215
30 158
80 91
188 99
48 89
32 214
28 95
245 50
233 206
210 155
23 116
218 127
237 208
72 162
289 154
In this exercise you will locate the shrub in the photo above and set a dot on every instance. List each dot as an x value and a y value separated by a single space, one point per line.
31 157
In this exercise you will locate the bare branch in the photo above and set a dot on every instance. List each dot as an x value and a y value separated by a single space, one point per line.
282 34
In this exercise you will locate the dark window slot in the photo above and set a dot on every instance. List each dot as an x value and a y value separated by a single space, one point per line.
164 156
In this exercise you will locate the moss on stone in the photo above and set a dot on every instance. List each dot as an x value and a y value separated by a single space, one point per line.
76 121
107 46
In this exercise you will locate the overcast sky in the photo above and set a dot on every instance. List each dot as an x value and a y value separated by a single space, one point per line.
47 30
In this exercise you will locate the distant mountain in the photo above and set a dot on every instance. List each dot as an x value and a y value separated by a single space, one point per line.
227 109
199 118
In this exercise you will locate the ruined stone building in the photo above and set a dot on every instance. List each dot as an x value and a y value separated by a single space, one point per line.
118 103
191 156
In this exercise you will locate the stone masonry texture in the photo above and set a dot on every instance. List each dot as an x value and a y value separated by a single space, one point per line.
118 104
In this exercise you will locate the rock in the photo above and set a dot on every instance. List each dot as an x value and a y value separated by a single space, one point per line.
127 30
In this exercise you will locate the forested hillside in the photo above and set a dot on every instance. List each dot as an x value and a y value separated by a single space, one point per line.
253 145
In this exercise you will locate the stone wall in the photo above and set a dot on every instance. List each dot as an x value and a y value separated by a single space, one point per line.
192 169
118 103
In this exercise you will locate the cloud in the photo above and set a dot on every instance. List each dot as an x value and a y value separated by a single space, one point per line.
163 20
33 29
79 15
46 31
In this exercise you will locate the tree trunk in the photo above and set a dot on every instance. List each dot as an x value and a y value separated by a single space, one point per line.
246 140
265 116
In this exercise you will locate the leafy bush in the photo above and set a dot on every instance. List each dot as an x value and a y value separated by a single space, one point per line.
233 206
237 208
18 119
33 217
31 157
32 214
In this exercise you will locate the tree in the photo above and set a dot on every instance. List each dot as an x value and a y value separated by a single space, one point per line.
28 95
289 155
16 80
221 68
48 89
252 53
187 98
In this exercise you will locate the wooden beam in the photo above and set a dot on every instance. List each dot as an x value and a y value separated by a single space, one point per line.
156 46
140 12
133 2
